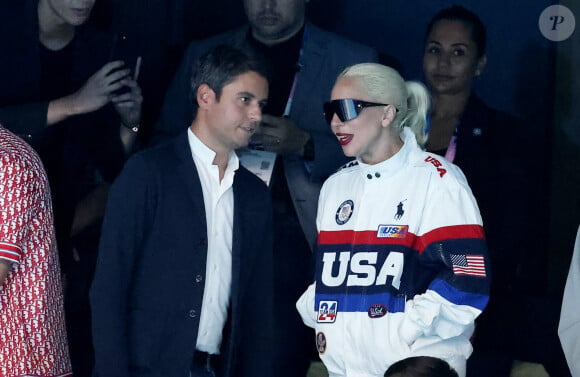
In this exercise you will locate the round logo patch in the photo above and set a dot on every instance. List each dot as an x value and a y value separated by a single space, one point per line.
321 342
377 311
344 212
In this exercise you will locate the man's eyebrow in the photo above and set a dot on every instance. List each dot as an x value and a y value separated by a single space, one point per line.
246 94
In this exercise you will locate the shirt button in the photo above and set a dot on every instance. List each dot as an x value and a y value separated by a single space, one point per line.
192 313
369 176
198 278
377 174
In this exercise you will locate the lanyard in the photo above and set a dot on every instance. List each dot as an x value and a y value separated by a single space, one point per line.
295 81
450 154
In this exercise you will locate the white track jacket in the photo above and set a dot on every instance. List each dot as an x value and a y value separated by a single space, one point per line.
401 264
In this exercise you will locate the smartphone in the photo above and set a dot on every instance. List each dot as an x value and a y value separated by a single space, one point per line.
121 49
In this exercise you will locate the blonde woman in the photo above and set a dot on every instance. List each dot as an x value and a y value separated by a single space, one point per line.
401 262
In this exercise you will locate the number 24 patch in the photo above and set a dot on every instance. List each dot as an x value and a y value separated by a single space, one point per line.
327 311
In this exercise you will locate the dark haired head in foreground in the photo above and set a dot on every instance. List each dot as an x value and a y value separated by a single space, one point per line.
421 366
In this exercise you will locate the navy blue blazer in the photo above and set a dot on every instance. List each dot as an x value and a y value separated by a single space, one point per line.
147 293
325 55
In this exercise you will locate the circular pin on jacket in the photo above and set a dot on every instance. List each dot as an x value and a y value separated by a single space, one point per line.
321 342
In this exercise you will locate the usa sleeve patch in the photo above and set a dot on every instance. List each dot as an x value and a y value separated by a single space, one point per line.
469 264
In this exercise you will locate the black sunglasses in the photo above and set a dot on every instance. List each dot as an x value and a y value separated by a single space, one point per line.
346 109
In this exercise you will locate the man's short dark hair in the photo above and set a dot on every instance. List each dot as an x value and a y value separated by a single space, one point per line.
220 66
470 19
421 366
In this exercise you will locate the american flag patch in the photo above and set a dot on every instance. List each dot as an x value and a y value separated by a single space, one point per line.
472 265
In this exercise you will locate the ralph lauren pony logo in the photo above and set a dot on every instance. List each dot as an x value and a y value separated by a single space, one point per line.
400 211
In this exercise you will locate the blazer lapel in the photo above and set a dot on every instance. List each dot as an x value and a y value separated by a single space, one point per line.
237 240
188 174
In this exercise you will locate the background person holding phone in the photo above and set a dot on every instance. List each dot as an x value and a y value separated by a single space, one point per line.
57 93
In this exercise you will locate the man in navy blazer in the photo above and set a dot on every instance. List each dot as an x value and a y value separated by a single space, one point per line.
324 56
183 285
305 61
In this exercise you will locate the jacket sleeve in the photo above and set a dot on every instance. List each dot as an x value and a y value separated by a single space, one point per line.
122 234
256 351
451 241
305 305
18 210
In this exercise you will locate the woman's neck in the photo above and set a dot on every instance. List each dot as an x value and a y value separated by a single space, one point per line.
449 105
54 33
385 149
445 116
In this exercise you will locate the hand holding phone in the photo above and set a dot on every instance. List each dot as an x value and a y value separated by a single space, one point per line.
123 51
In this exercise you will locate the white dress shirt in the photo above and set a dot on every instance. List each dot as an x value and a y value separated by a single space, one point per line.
218 198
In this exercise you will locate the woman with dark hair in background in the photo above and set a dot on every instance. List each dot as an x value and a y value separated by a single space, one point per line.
489 146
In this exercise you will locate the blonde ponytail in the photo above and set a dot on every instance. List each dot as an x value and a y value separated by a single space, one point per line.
418 103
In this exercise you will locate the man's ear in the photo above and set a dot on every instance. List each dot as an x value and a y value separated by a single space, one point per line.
480 65
389 114
205 96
